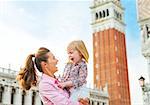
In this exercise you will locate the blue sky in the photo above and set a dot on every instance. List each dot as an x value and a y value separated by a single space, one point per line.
26 25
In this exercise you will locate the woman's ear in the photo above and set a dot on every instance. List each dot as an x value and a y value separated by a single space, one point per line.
43 65
45 68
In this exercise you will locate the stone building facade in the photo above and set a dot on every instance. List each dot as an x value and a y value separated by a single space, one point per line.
99 97
143 15
11 94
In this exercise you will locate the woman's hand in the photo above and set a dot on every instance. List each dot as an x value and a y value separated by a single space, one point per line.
84 101
66 84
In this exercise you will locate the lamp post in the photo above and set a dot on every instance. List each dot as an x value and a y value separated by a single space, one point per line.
145 90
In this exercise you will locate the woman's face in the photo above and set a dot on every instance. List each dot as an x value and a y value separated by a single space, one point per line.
51 63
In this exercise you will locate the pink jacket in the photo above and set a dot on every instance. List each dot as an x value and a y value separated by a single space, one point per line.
51 94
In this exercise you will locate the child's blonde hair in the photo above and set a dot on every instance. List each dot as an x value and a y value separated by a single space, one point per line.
79 46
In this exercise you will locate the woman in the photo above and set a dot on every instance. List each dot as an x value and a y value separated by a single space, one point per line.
49 91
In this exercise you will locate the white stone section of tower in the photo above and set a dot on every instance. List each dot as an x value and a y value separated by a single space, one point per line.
107 14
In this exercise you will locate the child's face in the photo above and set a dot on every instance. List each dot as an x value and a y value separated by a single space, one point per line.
74 56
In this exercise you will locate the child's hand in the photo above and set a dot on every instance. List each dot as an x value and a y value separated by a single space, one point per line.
62 85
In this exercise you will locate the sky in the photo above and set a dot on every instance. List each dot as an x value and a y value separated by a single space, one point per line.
26 25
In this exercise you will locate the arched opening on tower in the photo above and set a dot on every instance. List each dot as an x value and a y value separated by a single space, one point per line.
107 12
100 14
103 13
96 16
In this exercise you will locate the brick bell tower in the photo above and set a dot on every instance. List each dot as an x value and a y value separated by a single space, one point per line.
109 46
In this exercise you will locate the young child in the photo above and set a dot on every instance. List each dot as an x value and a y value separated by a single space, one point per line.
75 72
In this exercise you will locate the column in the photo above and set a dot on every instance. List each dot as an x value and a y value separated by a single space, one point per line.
145 101
107 102
90 102
37 99
148 96
7 95
95 102
101 103
148 60
28 98
17 96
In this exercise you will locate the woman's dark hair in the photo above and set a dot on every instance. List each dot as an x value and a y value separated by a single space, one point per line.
27 75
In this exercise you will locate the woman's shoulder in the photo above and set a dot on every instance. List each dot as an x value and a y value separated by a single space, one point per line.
45 79
46 83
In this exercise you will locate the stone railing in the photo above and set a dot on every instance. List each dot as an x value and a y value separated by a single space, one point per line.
8 71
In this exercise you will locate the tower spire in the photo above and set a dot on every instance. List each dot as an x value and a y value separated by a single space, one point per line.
97 2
